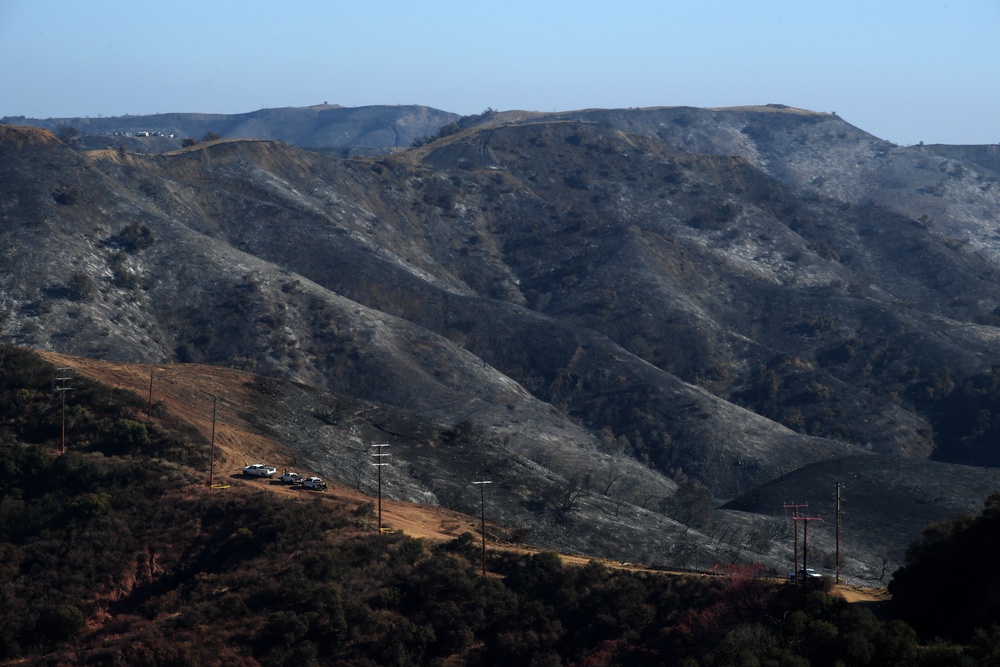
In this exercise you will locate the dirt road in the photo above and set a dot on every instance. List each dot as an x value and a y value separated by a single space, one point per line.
186 392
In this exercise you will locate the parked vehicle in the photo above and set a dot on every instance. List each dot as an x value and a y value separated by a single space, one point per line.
259 470
292 478
805 575
314 483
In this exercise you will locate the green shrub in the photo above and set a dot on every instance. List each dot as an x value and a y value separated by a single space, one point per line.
134 237
127 437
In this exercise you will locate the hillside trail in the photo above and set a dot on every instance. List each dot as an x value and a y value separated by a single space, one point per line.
186 391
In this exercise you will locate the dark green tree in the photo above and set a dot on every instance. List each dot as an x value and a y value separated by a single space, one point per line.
127 436
81 287
948 585
68 134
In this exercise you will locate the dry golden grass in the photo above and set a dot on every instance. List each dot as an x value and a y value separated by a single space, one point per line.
18 136
186 391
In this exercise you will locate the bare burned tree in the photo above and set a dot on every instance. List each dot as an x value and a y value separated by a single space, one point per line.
570 493
541 456
644 496
764 533
692 504
682 551
453 498
611 476
886 560
617 501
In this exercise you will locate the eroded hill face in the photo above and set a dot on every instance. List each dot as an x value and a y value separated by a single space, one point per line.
648 297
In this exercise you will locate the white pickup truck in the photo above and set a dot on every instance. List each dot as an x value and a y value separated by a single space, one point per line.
314 483
259 470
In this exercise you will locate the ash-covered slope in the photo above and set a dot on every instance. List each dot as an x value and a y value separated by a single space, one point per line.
580 298
952 190
881 506
273 258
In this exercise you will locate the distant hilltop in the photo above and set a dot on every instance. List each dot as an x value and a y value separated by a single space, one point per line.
382 129
368 130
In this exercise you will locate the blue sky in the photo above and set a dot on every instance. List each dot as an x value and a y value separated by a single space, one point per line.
920 70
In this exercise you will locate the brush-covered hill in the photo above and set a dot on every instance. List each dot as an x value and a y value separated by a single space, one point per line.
614 313
117 550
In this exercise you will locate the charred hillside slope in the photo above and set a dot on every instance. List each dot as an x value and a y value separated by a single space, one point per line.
659 296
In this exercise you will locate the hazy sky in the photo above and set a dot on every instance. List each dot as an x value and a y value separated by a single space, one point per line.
906 71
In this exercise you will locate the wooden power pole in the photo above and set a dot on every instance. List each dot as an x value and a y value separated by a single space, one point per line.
378 455
482 511
795 530
215 409
805 542
62 389
840 485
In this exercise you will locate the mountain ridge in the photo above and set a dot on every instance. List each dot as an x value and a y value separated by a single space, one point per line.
582 293
368 129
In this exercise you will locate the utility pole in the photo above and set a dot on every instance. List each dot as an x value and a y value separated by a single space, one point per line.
795 530
840 485
805 541
64 377
482 513
211 464
378 455
149 409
